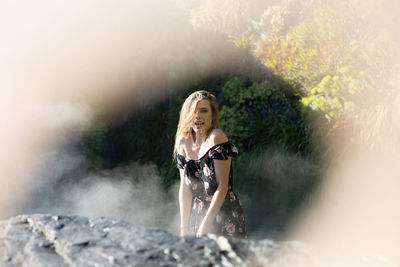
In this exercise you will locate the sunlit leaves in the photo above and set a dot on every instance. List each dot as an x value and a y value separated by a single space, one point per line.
241 41
328 55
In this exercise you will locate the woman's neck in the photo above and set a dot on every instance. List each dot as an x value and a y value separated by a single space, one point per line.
198 139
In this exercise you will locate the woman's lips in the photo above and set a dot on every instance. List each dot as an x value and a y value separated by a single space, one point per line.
199 124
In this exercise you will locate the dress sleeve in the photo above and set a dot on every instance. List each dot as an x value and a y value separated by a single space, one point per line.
181 161
224 151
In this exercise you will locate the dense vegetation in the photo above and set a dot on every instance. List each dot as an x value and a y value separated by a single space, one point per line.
291 61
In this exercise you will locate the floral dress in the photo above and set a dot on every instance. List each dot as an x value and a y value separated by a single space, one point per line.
201 180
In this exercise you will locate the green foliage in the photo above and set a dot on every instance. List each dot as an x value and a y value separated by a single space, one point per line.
261 114
273 184
330 55
241 42
93 144
333 94
228 16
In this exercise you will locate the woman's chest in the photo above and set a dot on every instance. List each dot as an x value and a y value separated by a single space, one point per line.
202 170
196 152
201 178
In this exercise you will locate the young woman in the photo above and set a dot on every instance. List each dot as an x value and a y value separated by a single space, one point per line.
206 198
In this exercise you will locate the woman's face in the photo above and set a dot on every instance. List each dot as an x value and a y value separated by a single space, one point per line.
203 117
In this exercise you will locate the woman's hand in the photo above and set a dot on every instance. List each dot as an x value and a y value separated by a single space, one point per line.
184 231
205 227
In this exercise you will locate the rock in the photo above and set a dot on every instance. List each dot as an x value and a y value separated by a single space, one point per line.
46 240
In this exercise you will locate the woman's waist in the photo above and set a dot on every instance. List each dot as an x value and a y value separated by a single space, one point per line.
208 197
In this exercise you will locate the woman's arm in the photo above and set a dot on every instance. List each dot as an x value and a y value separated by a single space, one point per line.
222 168
185 200
185 195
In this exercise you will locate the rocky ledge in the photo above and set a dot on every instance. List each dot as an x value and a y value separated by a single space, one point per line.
49 240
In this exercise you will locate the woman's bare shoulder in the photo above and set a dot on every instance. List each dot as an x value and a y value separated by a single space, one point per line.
217 136
182 142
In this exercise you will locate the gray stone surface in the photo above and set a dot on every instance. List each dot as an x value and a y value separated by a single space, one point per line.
49 240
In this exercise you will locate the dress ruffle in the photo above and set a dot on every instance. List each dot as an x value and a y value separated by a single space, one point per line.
180 162
223 151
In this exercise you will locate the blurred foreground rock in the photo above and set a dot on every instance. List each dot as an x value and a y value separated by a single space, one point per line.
46 240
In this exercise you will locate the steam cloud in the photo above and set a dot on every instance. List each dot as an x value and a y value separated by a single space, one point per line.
132 193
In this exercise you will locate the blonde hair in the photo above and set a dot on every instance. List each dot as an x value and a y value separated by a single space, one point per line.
187 114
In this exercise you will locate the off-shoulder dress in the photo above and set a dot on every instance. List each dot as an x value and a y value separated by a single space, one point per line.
201 180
